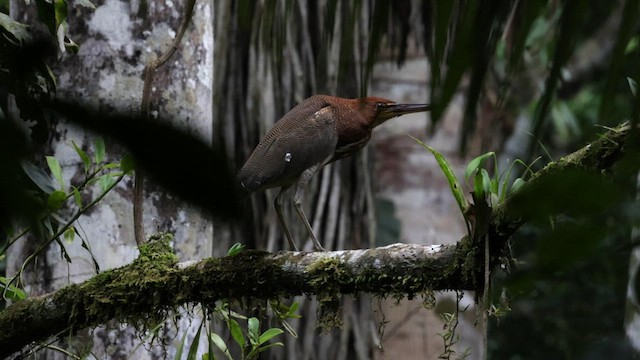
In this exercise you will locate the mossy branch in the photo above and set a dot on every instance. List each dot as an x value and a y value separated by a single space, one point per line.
154 284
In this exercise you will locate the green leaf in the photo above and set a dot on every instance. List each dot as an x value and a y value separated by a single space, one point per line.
449 174
517 184
253 330
292 310
494 187
236 332
56 170
486 181
99 145
459 59
193 350
478 188
47 15
476 163
633 85
180 348
111 165
11 292
56 199
217 340
86 160
38 176
69 234
60 7
263 348
268 335
236 249
106 181
77 198
210 353
441 19
376 34
127 163
485 35
19 31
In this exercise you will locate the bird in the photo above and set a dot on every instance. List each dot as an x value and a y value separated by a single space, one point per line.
316 132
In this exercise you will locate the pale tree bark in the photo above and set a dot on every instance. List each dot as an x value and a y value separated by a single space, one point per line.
117 40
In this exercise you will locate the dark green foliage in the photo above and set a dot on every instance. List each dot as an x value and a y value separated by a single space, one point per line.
568 291
568 294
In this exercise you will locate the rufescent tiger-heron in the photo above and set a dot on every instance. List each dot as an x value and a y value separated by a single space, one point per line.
316 132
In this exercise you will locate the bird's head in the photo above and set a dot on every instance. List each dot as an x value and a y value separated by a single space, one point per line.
380 110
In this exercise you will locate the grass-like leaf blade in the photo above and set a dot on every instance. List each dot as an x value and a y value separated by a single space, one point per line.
456 190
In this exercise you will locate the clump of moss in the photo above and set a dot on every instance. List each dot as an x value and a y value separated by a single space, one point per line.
158 249
328 274
131 294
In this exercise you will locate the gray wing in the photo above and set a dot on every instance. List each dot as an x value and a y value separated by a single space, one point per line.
294 144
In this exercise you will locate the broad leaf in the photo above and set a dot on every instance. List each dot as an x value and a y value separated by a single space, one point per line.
99 148
268 335
39 177
220 344
236 332
86 160
56 170
56 199
253 330
16 32
476 163
11 292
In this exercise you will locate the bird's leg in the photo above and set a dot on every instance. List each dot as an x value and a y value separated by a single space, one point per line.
297 203
277 203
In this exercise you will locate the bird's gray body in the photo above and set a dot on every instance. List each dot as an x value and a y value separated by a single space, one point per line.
283 153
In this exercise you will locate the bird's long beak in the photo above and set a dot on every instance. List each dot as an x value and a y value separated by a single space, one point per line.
393 110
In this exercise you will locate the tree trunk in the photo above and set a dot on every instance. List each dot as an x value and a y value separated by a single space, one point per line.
117 40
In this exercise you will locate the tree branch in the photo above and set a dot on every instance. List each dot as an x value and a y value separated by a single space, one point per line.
145 291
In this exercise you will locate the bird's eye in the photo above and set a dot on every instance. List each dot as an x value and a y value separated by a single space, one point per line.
380 106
